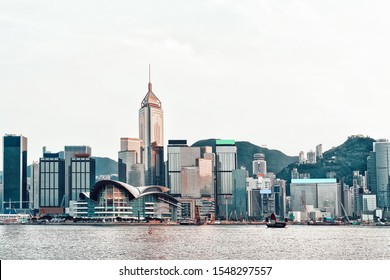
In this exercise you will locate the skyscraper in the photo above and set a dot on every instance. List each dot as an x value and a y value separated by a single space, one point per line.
259 165
319 151
51 180
151 132
82 175
179 157
129 162
302 158
378 165
226 162
33 185
238 208
311 157
70 152
15 172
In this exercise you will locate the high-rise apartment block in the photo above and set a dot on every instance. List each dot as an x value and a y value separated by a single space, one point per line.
259 165
15 193
311 157
319 151
302 158
33 185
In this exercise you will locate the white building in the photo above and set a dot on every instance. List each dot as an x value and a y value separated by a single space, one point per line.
322 194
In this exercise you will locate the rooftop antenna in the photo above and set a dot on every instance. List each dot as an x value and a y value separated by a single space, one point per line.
150 83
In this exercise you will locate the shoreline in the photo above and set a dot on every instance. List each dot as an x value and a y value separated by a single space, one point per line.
185 225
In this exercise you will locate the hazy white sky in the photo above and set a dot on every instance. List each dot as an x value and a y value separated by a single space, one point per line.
287 74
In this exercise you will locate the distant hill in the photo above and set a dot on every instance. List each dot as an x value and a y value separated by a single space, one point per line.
276 160
105 166
343 160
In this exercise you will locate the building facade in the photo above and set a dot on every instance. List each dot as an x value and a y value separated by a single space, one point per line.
311 157
15 192
190 179
238 207
322 194
180 156
151 132
260 198
82 175
259 165
51 180
379 174
319 152
226 162
33 185
129 161
113 200
70 152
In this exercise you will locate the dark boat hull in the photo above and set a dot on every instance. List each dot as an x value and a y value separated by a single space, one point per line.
276 225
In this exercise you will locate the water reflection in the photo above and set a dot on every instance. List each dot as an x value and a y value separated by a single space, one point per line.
193 242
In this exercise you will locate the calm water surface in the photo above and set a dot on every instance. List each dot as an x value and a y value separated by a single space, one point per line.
253 242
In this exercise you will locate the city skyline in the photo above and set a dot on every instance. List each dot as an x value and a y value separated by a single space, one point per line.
289 75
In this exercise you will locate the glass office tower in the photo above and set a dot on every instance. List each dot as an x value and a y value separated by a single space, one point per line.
379 166
82 171
70 152
15 193
51 180
226 162
151 132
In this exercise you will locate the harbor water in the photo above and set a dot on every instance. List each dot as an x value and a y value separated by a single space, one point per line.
218 242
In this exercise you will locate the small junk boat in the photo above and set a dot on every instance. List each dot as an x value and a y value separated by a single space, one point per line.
274 223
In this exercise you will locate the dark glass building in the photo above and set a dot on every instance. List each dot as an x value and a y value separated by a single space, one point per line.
51 180
15 172
70 152
239 205
226 162
82 175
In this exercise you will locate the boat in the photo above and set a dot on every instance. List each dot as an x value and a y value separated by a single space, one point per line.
187 222
327 221
381 224
324 224
7 219
274 223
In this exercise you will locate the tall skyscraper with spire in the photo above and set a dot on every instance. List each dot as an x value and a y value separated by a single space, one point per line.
151 132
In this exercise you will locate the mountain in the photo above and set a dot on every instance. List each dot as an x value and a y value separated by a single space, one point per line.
343 160
105 166
276 160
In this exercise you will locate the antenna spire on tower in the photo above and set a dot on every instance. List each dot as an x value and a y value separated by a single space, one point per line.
149 75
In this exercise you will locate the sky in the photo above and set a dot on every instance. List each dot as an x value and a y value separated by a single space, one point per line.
288 75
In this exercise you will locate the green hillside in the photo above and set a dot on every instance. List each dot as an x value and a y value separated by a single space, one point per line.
106 166
276 160
343 160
